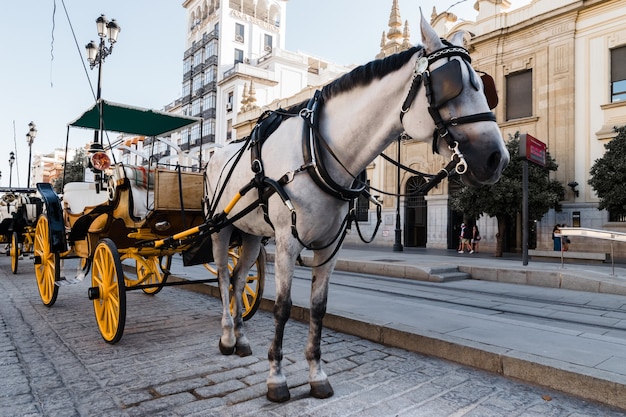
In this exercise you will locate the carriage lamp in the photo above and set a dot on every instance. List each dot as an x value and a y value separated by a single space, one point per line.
100 161
11 161
30 138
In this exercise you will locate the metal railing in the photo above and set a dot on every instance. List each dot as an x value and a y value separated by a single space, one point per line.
595 234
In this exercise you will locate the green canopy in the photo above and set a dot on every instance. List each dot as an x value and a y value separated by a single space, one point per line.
133 120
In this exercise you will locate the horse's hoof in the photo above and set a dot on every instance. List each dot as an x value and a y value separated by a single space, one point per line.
321 389
225 350
278 393
244 350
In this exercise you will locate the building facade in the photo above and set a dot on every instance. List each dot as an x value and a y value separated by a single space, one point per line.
560 71
235 62
558 67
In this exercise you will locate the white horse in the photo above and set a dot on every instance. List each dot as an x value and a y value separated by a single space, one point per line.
430 88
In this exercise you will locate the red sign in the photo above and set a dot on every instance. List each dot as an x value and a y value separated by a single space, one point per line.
532 149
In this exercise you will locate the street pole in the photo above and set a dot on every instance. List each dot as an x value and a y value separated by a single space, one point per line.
525 212
30 138
11 161
397 244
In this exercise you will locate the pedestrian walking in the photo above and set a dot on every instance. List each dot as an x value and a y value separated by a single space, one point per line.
464 239
475 239
556 237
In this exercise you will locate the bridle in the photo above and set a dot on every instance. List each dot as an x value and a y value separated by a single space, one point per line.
449 80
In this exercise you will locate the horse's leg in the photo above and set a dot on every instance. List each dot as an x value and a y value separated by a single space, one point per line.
220 254
248 254
320 387
284 265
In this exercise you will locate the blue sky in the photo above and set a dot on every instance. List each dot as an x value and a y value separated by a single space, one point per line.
43 78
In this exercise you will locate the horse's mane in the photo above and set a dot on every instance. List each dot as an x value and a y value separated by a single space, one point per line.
362 75
365 74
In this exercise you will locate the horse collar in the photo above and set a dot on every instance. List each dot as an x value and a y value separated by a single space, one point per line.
312 143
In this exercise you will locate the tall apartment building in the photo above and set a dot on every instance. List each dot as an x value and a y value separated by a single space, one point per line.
236 61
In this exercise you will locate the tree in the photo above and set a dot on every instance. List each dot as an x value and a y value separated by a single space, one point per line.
74 171
608 174
503 200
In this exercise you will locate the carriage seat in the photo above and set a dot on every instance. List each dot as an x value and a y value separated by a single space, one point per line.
79 195
6 210
141 182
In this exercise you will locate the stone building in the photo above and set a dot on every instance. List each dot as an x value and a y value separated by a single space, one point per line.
559 68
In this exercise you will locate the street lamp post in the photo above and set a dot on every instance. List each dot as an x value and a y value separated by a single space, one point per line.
95 56
11 161
397 244
30 138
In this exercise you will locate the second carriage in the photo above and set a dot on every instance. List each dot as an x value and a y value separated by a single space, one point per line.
127 228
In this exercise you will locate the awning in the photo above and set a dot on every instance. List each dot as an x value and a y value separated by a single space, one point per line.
133 120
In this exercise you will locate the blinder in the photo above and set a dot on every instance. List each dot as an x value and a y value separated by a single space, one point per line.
489 88
447 83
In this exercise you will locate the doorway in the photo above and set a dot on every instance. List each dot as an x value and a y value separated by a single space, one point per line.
415 214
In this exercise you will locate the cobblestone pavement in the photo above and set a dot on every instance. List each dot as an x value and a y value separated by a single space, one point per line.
53 362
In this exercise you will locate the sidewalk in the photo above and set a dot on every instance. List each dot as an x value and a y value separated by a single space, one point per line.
585 360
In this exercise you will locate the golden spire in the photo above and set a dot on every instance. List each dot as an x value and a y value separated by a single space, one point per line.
252 96
244 100
395 22
406 35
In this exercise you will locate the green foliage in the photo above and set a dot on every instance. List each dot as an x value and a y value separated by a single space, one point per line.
608 174
74 171
504 199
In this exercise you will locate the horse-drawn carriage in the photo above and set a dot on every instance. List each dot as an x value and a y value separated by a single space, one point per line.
127 227
293 179
19 210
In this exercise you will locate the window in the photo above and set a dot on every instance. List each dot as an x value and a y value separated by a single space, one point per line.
208 127
267 42
209 74
186 88
618 74
238 56
187 65
229 102
197 82
197 58
210 49
196 107
195 132
209 101
519 95
229 129
238 32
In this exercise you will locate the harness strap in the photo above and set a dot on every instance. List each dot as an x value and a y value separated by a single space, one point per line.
312 141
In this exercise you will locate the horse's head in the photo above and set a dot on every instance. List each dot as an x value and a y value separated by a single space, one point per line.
459 109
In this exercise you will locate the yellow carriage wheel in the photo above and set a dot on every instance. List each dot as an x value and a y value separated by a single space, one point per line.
149 271
108 291
47 263
15 252
253 288
255 282
161 267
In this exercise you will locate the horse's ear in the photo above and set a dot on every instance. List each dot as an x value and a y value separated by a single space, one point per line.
458 38
430 39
